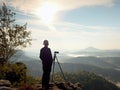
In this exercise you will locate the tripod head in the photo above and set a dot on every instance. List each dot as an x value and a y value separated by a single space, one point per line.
56 52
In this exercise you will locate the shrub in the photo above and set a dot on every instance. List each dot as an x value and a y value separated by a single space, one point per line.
15 73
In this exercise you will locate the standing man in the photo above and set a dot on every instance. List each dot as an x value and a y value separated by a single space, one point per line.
46 57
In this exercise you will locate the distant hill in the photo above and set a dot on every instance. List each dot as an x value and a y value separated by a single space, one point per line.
102 62
91 49
35 69
107 67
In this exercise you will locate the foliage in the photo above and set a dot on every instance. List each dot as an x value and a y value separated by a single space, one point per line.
58 77
12 35
15 73
89 81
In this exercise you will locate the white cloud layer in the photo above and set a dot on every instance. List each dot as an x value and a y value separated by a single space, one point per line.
30 6
68 36
71 36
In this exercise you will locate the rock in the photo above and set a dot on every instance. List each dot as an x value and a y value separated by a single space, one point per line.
38 86
68 86
78 85
5 85
5 88
53 86
61 85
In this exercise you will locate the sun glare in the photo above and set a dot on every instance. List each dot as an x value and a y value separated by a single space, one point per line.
47 12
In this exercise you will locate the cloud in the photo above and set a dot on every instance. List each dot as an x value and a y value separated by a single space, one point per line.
30 6
26 6
71 36
67 29
67 35
73 4
33 7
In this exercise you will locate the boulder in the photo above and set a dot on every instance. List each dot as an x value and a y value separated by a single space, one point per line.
5 85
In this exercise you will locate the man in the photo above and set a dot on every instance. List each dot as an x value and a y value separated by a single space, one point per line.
46 57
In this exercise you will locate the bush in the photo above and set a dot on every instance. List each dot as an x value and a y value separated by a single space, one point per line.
15 73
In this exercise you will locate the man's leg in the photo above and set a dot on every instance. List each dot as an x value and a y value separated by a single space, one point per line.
45 80
45 77
46 74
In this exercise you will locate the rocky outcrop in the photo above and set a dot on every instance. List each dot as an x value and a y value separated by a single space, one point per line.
5 85
61 86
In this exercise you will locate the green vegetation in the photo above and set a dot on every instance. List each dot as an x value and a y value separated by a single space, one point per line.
12 35
89 81
15 73
105 66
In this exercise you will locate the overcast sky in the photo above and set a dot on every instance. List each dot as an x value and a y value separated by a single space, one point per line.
70 24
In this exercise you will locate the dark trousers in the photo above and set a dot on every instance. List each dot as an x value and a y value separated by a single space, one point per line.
46 73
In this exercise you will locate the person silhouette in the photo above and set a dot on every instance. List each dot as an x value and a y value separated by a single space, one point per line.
46 58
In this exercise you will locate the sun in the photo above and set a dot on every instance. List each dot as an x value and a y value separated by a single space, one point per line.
47 12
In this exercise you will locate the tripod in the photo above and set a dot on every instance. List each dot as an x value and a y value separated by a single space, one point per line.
55 57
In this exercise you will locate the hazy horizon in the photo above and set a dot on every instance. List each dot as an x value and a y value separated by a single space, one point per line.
86 52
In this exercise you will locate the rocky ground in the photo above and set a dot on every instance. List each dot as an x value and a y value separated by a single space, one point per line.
62 86
6 85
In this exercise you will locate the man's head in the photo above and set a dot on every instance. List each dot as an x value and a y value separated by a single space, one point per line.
45 42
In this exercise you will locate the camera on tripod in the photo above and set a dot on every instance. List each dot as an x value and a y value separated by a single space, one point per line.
56 52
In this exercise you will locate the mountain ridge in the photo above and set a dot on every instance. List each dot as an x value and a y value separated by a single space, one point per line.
106 66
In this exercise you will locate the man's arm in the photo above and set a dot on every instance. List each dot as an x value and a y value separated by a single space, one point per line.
50 54
40 55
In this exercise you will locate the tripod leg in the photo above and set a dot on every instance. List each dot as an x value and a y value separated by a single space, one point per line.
61 69
53 70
